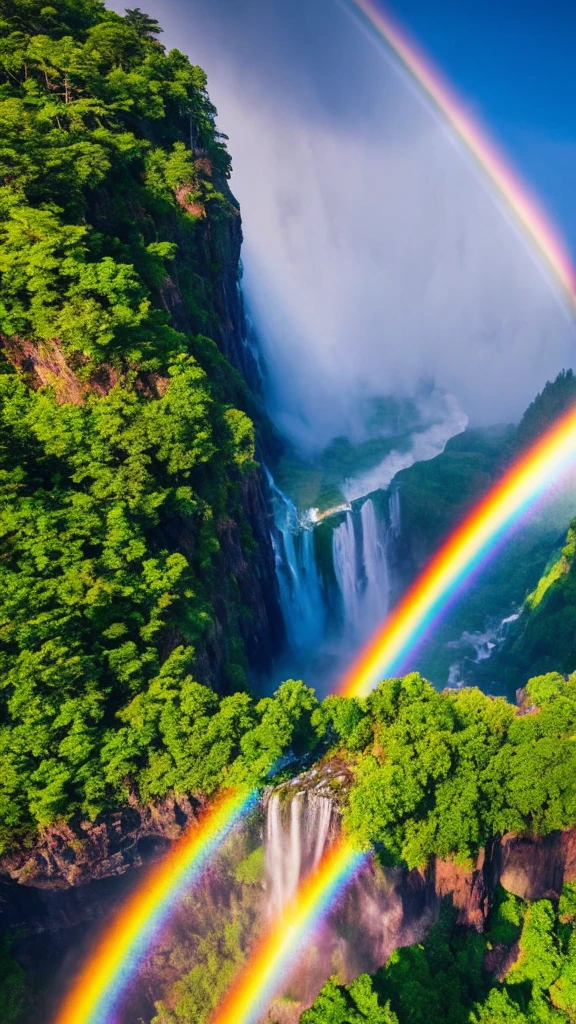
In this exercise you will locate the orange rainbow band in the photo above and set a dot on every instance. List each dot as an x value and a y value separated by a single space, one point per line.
99 986
464 551
525 208
256 982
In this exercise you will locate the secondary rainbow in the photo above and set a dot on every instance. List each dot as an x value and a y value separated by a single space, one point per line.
525 208
286 934
473 541
97 989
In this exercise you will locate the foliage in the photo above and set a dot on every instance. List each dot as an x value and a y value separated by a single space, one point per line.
448 771
355 1004
554 399
217 958
13 988
250 870
445 979
124 441
544 636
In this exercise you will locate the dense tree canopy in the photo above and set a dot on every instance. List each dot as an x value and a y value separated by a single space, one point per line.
123 440
448 771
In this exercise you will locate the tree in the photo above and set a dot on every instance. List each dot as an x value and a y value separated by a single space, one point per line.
143 24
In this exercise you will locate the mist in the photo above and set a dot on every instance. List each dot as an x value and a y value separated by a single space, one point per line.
375 256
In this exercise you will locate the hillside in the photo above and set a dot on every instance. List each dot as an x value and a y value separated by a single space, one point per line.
135 549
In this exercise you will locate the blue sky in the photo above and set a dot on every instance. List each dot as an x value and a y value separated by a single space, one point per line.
514 63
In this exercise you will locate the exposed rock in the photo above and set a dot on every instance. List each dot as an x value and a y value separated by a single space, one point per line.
468 889
531 867
184 199
44 364
330 778
69 856
500 959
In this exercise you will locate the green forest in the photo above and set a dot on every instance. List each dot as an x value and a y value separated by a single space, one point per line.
124 440
445 980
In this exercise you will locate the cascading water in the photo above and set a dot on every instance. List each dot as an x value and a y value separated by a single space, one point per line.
377 589
374 916
361 571
345 561
297 830
330 608
301 595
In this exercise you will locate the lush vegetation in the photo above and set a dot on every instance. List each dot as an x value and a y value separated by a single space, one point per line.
435 495
125 446
445 772
450 978
544 637
123 436
13 988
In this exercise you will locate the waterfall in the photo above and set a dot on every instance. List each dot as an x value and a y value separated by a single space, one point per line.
328 611
379 910
361 571
301 595
345 561
377 591
297 829
394 512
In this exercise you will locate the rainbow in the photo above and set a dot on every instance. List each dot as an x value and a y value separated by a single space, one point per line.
524 207
115 959
464 550
124 944
255 984
471 543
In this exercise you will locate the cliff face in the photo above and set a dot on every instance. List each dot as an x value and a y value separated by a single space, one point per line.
70 856
246 599
217 258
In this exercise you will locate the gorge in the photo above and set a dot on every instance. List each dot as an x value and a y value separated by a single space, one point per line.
217 476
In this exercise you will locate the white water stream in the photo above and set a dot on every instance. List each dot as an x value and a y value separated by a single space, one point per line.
297 830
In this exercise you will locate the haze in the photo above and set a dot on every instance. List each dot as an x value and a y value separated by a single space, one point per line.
375 255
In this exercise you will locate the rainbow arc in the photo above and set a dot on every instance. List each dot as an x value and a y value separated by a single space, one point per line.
525 209
115 959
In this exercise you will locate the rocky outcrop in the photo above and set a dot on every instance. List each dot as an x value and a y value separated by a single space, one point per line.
468 889
536 868
71 855
500 959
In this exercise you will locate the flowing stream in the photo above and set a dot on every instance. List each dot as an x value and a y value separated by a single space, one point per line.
477 647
